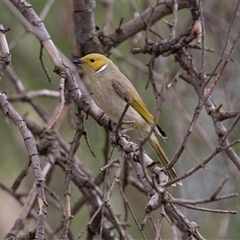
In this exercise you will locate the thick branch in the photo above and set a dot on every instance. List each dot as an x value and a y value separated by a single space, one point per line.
138 24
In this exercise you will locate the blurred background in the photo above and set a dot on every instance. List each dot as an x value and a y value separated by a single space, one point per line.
178 108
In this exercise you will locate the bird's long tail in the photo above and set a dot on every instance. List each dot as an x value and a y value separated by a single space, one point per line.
153 141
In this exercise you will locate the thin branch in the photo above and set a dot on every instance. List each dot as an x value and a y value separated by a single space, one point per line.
130 209
188 134
217 150
26 96
68 175
212 198
51 123
202 39
230 27
90 222
207 209
175 20
42 64
21 176
139 22
5 57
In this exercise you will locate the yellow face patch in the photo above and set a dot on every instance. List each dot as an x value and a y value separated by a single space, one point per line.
95 61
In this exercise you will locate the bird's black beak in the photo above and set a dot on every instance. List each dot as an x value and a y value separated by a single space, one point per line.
77 61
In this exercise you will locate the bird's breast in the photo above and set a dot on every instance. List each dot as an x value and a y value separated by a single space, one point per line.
112 104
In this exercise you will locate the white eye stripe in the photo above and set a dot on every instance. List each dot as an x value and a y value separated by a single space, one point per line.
101 69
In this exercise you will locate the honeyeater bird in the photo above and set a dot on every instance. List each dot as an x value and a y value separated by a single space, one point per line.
112 91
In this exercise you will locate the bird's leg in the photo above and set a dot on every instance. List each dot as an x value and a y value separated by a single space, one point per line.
121 129
127 126
122 125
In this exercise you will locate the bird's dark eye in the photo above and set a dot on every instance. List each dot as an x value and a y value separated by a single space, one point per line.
92 60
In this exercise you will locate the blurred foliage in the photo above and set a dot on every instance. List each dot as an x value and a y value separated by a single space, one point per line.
175 120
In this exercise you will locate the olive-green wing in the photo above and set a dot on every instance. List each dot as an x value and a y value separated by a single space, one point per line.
137 103
134 100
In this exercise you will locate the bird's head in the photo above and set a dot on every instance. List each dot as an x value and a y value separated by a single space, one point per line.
93 63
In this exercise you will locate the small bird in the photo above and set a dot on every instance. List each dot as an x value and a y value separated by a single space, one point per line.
112 91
